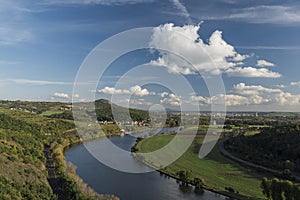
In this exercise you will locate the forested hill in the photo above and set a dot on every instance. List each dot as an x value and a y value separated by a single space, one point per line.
35 107
25 129
24 172
275 147
22 164
64 110
104 112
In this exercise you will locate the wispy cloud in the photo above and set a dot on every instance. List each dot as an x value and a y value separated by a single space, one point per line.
6 62
13 28
295 83
183 11
269 47
43 82
99 2
262 14
11 36
268 14
37 82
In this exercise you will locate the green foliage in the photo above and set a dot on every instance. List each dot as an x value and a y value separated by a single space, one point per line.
105 109
23 135
35 107
198 183
276 147
184 177
14 190
266 187
215 170
22 161
276 189
62 115
79 186
51 112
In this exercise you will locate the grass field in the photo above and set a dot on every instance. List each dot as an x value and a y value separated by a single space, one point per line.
51 112
215 170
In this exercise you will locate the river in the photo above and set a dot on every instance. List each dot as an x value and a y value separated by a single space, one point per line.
127 186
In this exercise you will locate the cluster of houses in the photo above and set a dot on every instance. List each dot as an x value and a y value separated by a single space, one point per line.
22 109
126 123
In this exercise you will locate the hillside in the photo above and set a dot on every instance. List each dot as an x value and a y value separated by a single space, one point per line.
275 147
64 110
24 172
104 111
26 128
35 107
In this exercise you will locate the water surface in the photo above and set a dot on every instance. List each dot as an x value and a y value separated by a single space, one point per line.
127 186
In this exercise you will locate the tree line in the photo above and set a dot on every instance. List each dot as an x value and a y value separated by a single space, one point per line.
274 147
276 189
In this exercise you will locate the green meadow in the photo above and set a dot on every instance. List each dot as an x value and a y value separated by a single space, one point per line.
216 171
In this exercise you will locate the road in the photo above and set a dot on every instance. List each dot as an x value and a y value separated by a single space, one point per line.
250 164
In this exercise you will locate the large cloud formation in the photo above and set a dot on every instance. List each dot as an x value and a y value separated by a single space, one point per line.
243 94
135 90
190 54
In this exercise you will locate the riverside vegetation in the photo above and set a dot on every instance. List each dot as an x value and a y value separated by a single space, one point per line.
216 172
277 148
274 145
27 131
34 135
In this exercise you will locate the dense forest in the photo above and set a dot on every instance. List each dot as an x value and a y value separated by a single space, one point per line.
105 110
274 147
276 189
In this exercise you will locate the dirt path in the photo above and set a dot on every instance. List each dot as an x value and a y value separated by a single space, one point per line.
53 178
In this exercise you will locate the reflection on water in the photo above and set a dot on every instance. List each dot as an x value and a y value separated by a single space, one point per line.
147 186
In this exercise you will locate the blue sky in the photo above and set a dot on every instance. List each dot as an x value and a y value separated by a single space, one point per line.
43 44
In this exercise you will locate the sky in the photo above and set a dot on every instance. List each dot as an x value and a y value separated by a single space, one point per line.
252 45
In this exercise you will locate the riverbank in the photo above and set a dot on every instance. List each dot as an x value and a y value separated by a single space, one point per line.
216 171
170 175
204 187
128 186
62 176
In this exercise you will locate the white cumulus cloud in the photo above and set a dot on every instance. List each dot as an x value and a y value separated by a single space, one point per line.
201 99
134 90
137 90
163 94
268 95
172 99
243 94
61 95
286 98
295 83
252 72
189 54
264 63
242 88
